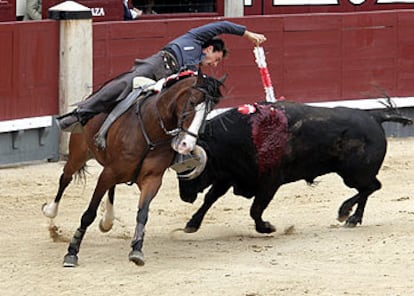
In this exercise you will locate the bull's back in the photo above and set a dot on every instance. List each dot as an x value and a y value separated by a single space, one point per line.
324 140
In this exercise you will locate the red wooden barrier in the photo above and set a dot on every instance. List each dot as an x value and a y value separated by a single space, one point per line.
28 69
7 10
311 58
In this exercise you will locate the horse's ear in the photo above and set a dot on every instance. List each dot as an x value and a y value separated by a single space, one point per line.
200 75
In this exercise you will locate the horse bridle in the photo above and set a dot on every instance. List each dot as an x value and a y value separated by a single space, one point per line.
174 132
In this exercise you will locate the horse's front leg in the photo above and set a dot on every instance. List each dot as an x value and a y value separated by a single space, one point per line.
71 258
148 192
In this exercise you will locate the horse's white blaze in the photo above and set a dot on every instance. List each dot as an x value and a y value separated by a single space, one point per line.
184 143
50 210
108 216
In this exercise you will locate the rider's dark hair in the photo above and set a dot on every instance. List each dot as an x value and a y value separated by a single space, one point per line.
218 45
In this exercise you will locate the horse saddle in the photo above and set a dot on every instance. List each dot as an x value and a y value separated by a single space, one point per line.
141 81
140 85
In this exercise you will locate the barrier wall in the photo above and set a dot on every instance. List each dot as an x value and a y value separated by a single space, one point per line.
319 58
311 58
7 10
29 55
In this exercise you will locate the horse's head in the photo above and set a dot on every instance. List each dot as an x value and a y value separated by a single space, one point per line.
192 107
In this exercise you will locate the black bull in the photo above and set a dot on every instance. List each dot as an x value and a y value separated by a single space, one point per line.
285 142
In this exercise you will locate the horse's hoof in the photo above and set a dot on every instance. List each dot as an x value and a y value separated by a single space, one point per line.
49 211
137 257
104 229
70 260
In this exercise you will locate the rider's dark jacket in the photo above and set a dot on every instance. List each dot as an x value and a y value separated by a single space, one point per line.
188 47
184 51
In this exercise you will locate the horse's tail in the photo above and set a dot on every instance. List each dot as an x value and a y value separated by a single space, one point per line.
391 113
80 175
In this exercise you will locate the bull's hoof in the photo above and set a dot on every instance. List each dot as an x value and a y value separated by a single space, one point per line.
104 228
349 225
344 212
342 218
190 229
137 257
352 222
265 227
70 260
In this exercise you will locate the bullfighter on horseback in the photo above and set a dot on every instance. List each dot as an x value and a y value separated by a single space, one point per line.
198 46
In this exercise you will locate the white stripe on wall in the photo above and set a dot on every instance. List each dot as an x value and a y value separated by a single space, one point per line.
25 123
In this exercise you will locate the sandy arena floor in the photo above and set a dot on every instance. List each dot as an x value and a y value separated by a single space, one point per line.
310 254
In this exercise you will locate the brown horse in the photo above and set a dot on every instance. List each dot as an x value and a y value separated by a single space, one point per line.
75 164
140 147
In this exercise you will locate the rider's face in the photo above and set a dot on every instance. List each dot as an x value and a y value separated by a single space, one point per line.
212 58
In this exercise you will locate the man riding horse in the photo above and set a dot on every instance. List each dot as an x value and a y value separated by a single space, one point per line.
197 46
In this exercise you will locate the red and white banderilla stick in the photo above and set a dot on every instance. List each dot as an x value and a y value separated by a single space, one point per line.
264 73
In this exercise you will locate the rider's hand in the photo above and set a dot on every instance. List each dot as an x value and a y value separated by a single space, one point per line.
256 38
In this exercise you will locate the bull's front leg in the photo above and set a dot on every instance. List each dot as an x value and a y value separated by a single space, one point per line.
211 197
260 203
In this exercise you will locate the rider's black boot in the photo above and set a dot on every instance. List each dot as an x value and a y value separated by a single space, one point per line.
74 121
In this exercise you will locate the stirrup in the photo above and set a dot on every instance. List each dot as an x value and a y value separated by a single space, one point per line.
182 163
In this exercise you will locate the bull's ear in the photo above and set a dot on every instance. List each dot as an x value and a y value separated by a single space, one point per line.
223 78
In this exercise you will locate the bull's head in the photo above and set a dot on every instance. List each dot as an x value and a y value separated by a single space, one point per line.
196 180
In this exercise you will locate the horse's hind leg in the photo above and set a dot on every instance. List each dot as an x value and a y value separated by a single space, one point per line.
361 200
107 220
71 258
78 155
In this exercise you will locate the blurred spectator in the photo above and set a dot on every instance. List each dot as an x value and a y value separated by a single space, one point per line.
138 8
33 10
146 6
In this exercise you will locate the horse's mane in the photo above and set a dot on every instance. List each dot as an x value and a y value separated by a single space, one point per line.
212 86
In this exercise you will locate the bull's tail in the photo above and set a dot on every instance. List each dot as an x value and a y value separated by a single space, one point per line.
391 113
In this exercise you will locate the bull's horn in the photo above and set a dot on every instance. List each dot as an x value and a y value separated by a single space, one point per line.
202 155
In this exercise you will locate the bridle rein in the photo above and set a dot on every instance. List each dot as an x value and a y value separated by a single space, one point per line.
208 104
